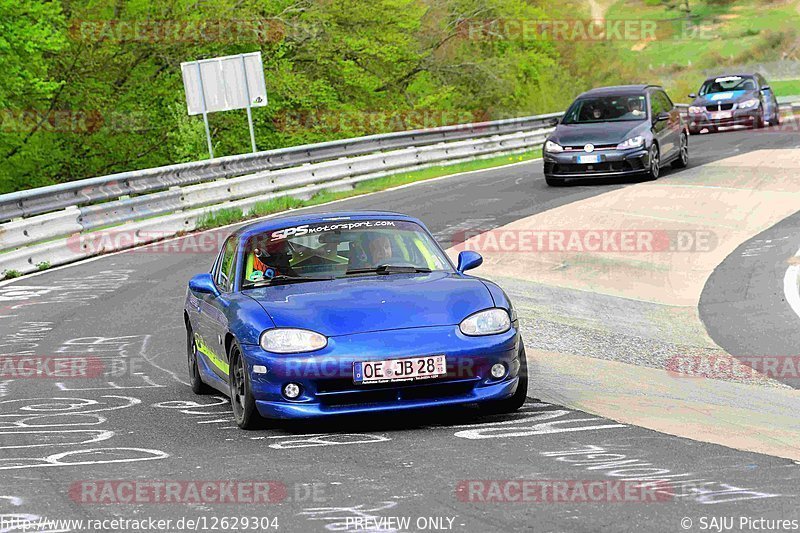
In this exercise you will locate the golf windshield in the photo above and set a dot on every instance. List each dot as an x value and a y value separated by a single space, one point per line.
726 84
606 109
341 248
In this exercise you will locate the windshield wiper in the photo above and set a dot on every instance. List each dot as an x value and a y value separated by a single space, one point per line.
285 280
389 269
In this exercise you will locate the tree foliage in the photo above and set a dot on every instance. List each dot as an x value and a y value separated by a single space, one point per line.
94 87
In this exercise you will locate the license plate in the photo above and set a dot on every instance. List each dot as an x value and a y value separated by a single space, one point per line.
588 159
717 115
408 369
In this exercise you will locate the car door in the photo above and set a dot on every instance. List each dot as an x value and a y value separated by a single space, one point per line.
659 128
212 316
674 127
768 100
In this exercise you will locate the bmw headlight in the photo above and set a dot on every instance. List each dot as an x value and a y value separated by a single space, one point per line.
748 104
696 109
633 142
291 340
486 322
553 148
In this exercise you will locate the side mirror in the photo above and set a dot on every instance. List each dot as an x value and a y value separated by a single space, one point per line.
662 116
468 260
204 284
692 95
766 88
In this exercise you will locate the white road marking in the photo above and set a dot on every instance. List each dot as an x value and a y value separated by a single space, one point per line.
790 288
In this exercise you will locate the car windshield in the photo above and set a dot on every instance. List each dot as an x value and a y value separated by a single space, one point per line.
341 248
728 83
606 109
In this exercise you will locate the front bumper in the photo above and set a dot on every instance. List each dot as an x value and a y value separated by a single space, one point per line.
326 377
612 163
738 117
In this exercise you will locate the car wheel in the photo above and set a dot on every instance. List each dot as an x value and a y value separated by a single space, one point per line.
511 404
694 131
195 381
554 182
683 156
244 405
758 123
655 163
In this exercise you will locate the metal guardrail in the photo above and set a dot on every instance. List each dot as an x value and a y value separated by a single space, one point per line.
58 234
84 192
60 224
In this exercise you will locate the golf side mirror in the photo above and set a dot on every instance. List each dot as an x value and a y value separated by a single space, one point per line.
468 260
662 116
766 88
204 284
692 95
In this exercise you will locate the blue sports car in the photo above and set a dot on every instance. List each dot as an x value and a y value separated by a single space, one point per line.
359 312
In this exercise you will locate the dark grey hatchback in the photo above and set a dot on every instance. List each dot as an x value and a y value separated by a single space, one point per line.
617 131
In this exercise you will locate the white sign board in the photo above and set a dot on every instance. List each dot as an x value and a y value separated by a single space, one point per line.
224 83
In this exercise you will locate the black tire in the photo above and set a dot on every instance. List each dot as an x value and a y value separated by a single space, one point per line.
554 182
242 401
195 381
758 122
694 131
654 170
517 400
683 155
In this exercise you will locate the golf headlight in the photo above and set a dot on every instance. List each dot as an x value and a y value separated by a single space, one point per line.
696 110
486 322
290 340
553 148
633 142
748 104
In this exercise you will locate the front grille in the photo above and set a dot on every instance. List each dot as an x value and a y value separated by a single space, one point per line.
605 166
719 107
339 393
596 147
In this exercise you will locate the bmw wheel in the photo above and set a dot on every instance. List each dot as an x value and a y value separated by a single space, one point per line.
655 163
683 156
195 381
244 405
759 120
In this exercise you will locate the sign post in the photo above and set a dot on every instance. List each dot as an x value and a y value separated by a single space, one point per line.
222 84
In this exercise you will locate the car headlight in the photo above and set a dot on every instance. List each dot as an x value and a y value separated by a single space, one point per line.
633 142
291 340
748 104
486 322
553 148
696 109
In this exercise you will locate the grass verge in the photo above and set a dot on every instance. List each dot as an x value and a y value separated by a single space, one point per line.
226 216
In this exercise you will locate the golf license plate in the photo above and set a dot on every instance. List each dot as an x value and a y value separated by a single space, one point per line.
408 369
588 159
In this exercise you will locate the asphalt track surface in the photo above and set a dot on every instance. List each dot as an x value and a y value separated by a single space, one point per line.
62 439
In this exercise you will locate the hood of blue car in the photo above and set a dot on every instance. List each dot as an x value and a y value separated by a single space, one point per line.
727 97
374 303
